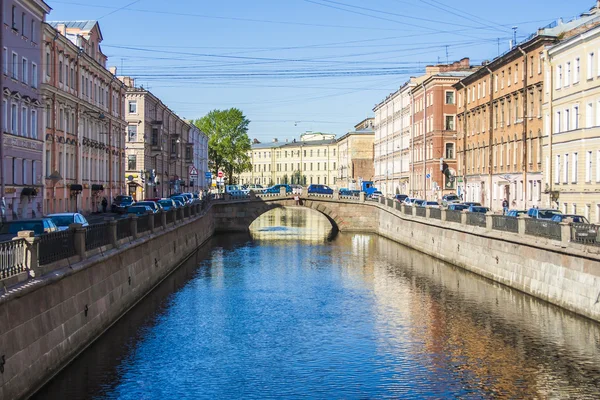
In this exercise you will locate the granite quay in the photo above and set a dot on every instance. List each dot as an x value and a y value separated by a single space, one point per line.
64 291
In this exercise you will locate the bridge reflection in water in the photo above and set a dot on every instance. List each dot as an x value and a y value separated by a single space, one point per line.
358 316
292 223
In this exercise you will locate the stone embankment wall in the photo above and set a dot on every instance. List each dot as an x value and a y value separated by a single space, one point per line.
47 321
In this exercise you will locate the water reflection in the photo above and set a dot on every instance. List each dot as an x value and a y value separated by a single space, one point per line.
292 223
356 317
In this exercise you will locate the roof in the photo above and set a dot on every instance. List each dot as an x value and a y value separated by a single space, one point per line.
83 25
297 143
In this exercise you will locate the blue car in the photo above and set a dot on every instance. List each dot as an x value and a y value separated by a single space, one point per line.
320 189
276 189
457 207
478 209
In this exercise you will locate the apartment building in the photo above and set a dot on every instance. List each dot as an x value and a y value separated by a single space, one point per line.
21 135
312 159
355 156
160 148
571 140
500 121
84 104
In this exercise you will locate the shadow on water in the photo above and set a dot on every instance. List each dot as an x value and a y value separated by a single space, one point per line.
291 311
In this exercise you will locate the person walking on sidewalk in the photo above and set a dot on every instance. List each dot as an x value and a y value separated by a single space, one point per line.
505 206
104 204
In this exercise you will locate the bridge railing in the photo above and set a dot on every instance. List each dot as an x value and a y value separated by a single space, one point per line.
29 255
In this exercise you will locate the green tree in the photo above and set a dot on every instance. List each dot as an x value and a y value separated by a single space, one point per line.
297 178
286 179
228 141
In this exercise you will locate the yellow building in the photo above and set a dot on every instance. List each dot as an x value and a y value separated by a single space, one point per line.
571 143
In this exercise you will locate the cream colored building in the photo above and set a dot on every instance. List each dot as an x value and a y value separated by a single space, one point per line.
311 160
571 141
355 156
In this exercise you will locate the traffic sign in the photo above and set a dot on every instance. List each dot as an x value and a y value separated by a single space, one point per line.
220 174
208 175
428 176
193 171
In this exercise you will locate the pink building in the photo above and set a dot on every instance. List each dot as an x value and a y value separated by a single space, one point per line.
21 138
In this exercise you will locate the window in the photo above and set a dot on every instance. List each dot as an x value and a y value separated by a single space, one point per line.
48 65
576 117
4 115
575 168
567 119
557 168
132 133
133 107
590 66
577 71
566 170
33 38
5 59
598 166
24 74
589 115
24 121
24 172
23 24
34 75
34 178
131 162
15 65
14 112
14 18
449 122
449 150
559 76
568 74
588 167
34 124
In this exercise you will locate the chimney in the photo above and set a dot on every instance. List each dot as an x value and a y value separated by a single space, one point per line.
128 81
62 29
275 140
113 70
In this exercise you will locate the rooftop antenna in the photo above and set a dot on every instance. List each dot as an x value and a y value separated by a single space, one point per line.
447 62
514 28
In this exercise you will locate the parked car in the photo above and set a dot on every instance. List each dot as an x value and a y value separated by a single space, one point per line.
152 204
471 203
235 190
409 200
63 220
167 204
418 202
449 199
515 213
400 197
276 189
478 209
579 219
139 210
181 199
255 188
121 203
320 189
542 213
375 195
39 226
178 202
458 207
431 204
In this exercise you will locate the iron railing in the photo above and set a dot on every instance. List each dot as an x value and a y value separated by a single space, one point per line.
12 258
504 223
171 216
187 212
96 236
407 210
56 246
585 234
421 212
454 216
435 213
543 228
157 220
476 219
123 228
143 223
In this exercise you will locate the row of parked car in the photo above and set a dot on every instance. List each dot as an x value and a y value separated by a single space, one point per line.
126 204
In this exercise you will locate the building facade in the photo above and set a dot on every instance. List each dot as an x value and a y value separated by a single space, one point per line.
84 104
311 160
355 156
433 144
21 136
571 140
160 148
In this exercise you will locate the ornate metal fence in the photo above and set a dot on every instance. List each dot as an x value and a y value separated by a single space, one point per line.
504 223
12 258
585 234
420 211
435 213
96 236
123 228
543 228
143 223
453 216
56 246
476 219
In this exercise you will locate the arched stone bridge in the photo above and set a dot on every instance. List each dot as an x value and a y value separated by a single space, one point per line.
345 214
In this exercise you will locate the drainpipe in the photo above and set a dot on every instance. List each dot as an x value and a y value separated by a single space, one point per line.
525 125
464 159
423 144
550 127
2 172
491 136
412 144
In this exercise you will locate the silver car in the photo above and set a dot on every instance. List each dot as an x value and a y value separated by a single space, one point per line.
63 220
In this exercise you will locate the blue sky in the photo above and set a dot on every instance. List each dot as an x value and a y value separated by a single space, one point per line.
299 65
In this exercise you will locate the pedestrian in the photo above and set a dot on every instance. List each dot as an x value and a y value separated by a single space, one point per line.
505 206
104 204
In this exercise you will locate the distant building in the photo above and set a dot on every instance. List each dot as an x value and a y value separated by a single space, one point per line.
21 133
84 104
355 156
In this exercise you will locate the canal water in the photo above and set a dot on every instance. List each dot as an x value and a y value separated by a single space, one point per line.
292 312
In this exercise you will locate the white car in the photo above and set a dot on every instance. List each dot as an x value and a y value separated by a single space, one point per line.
235 190
63 220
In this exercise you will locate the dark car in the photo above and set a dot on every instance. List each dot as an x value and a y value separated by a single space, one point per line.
478 209
121 204
515 213
39 226
541 213
182 199
400 197
471 203
457 207
346 192
319 189
579 219
275 189
167 204
139 210
156 207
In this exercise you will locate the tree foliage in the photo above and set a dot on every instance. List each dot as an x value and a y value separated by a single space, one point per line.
228 141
